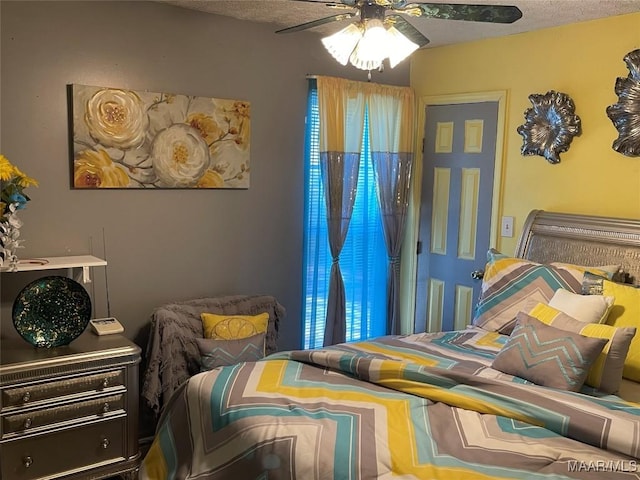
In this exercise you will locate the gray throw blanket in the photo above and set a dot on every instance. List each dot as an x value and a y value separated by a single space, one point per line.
172 354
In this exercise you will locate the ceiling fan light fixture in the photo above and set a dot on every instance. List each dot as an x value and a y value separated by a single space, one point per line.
380 18
367 44
341 44
364 63
400 47
372 48
375 33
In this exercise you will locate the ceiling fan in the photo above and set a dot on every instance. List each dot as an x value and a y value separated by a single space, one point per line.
382 31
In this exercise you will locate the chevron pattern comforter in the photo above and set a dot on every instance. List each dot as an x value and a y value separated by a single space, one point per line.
423 406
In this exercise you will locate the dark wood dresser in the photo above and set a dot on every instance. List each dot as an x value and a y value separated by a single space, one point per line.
69 412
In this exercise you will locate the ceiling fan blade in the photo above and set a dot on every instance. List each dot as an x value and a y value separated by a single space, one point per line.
408 30
469 12
316 23
341 3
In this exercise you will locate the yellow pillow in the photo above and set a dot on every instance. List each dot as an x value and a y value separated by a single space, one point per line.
230 327
605 373
625 312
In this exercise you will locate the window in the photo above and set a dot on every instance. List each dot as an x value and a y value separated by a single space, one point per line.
363 260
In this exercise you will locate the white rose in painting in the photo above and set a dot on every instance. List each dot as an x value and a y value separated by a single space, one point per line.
117 118
180 156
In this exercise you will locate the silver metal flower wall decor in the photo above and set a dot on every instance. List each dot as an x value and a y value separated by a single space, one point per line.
550 125
625 114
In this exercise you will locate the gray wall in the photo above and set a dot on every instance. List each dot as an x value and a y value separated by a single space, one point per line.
162 245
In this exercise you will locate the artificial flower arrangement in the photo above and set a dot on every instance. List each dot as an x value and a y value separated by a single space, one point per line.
12 199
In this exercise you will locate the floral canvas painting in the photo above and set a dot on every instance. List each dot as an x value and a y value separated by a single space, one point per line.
138 139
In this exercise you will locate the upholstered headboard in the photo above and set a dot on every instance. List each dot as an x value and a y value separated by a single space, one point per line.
582 240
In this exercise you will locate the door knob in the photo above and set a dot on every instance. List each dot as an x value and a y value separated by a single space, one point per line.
477 274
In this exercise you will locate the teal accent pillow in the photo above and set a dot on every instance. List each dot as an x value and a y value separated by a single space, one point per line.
548 356
217 353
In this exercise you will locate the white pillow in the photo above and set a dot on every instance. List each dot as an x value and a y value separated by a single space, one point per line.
586 308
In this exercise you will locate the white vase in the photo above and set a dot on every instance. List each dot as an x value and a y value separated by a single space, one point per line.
10 241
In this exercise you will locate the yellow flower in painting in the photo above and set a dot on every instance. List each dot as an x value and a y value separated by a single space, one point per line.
96 170
207 127
180 156
211 179
117 118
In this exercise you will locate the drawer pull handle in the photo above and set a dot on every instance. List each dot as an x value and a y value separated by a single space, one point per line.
105 408
27 423
105 443
26 397
105 383
27 462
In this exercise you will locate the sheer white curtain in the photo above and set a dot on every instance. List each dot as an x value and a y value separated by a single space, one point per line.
391 128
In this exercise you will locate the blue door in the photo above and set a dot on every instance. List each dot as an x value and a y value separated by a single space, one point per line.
455 212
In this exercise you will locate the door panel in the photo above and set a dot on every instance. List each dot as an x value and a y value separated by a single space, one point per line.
455 211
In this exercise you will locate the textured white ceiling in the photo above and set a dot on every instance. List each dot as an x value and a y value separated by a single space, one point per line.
537 14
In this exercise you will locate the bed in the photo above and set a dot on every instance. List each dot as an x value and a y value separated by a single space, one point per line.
436 405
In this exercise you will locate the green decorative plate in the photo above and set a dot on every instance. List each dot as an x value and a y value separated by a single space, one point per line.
51 311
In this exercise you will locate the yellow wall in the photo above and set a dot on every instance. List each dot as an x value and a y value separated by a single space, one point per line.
582 60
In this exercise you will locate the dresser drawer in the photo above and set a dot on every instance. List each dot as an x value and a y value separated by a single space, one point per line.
31 421
25 395
63 451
